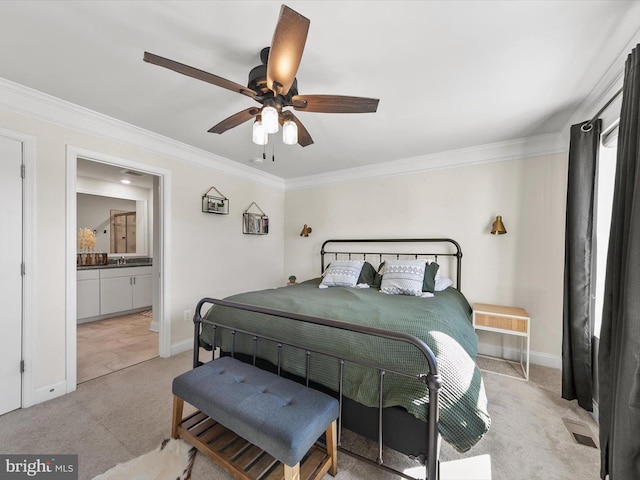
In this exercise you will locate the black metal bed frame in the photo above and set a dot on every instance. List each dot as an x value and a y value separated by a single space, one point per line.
381 256
431 377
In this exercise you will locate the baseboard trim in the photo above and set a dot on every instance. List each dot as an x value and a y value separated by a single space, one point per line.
124 313
181 347
49 392
536 358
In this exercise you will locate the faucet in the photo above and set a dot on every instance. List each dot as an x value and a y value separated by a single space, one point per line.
122 261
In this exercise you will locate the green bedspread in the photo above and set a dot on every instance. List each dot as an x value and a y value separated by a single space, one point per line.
442 322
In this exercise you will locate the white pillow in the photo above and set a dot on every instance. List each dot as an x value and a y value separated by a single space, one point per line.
342 273
403 277
442 283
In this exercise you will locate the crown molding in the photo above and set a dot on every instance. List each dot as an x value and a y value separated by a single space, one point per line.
27 101
529 147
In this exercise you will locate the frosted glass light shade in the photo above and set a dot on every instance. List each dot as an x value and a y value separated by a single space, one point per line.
270 119
260 136
289 132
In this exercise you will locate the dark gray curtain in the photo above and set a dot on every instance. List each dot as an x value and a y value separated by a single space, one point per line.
619 355
577 330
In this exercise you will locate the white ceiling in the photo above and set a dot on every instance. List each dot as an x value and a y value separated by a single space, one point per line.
113 174
449 74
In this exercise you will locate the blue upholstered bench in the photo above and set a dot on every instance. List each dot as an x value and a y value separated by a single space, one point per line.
279 416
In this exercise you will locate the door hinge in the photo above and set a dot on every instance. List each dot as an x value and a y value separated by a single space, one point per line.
23 171
23 269
21 366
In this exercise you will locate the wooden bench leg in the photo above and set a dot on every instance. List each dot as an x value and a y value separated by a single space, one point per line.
292 473
332 447
178 404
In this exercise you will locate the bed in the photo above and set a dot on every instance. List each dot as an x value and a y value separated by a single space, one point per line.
385 385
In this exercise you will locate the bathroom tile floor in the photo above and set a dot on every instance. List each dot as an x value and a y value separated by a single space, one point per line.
109 345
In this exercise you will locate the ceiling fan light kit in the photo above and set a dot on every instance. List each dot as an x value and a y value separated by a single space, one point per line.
289 132
270 119
260 135
274 85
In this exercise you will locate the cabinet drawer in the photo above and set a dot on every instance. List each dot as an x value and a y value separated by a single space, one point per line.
88 274
501 322
125 272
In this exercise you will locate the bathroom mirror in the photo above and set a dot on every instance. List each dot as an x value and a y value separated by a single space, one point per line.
119 224
116 204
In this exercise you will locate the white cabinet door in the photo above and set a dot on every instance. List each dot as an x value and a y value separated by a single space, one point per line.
115 294
142 291
88 299
124 288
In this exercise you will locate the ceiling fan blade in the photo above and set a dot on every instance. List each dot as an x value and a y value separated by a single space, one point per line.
198 74
304 139
334 104
286 50
235 120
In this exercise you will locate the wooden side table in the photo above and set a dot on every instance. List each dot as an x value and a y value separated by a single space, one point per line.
508 321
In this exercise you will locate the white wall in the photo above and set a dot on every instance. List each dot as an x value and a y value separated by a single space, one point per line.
522 268
209 255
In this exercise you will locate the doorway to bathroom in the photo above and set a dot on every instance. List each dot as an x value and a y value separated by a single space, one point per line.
115 260
118 255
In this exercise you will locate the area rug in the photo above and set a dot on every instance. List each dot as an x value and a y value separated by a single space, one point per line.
172 460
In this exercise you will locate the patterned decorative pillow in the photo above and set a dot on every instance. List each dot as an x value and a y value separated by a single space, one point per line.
342 273
403 277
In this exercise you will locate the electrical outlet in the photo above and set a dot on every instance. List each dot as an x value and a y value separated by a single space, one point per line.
188 315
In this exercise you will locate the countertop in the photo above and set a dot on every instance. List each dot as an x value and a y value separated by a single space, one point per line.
130 263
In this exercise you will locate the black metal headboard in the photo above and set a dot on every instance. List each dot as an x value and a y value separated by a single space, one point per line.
449 248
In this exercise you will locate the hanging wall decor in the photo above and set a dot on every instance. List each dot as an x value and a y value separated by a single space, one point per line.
217 203
255 223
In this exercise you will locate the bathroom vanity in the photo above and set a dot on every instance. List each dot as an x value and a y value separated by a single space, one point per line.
113 289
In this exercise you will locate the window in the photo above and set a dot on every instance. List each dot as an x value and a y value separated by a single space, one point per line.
605 183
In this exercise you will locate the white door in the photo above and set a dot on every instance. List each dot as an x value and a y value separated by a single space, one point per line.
10 274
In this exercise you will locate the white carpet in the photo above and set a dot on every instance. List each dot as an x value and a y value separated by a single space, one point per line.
170 461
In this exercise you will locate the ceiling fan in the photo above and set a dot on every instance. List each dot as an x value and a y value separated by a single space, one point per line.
273 84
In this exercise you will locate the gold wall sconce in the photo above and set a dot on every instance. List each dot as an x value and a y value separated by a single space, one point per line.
306 230
498 227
